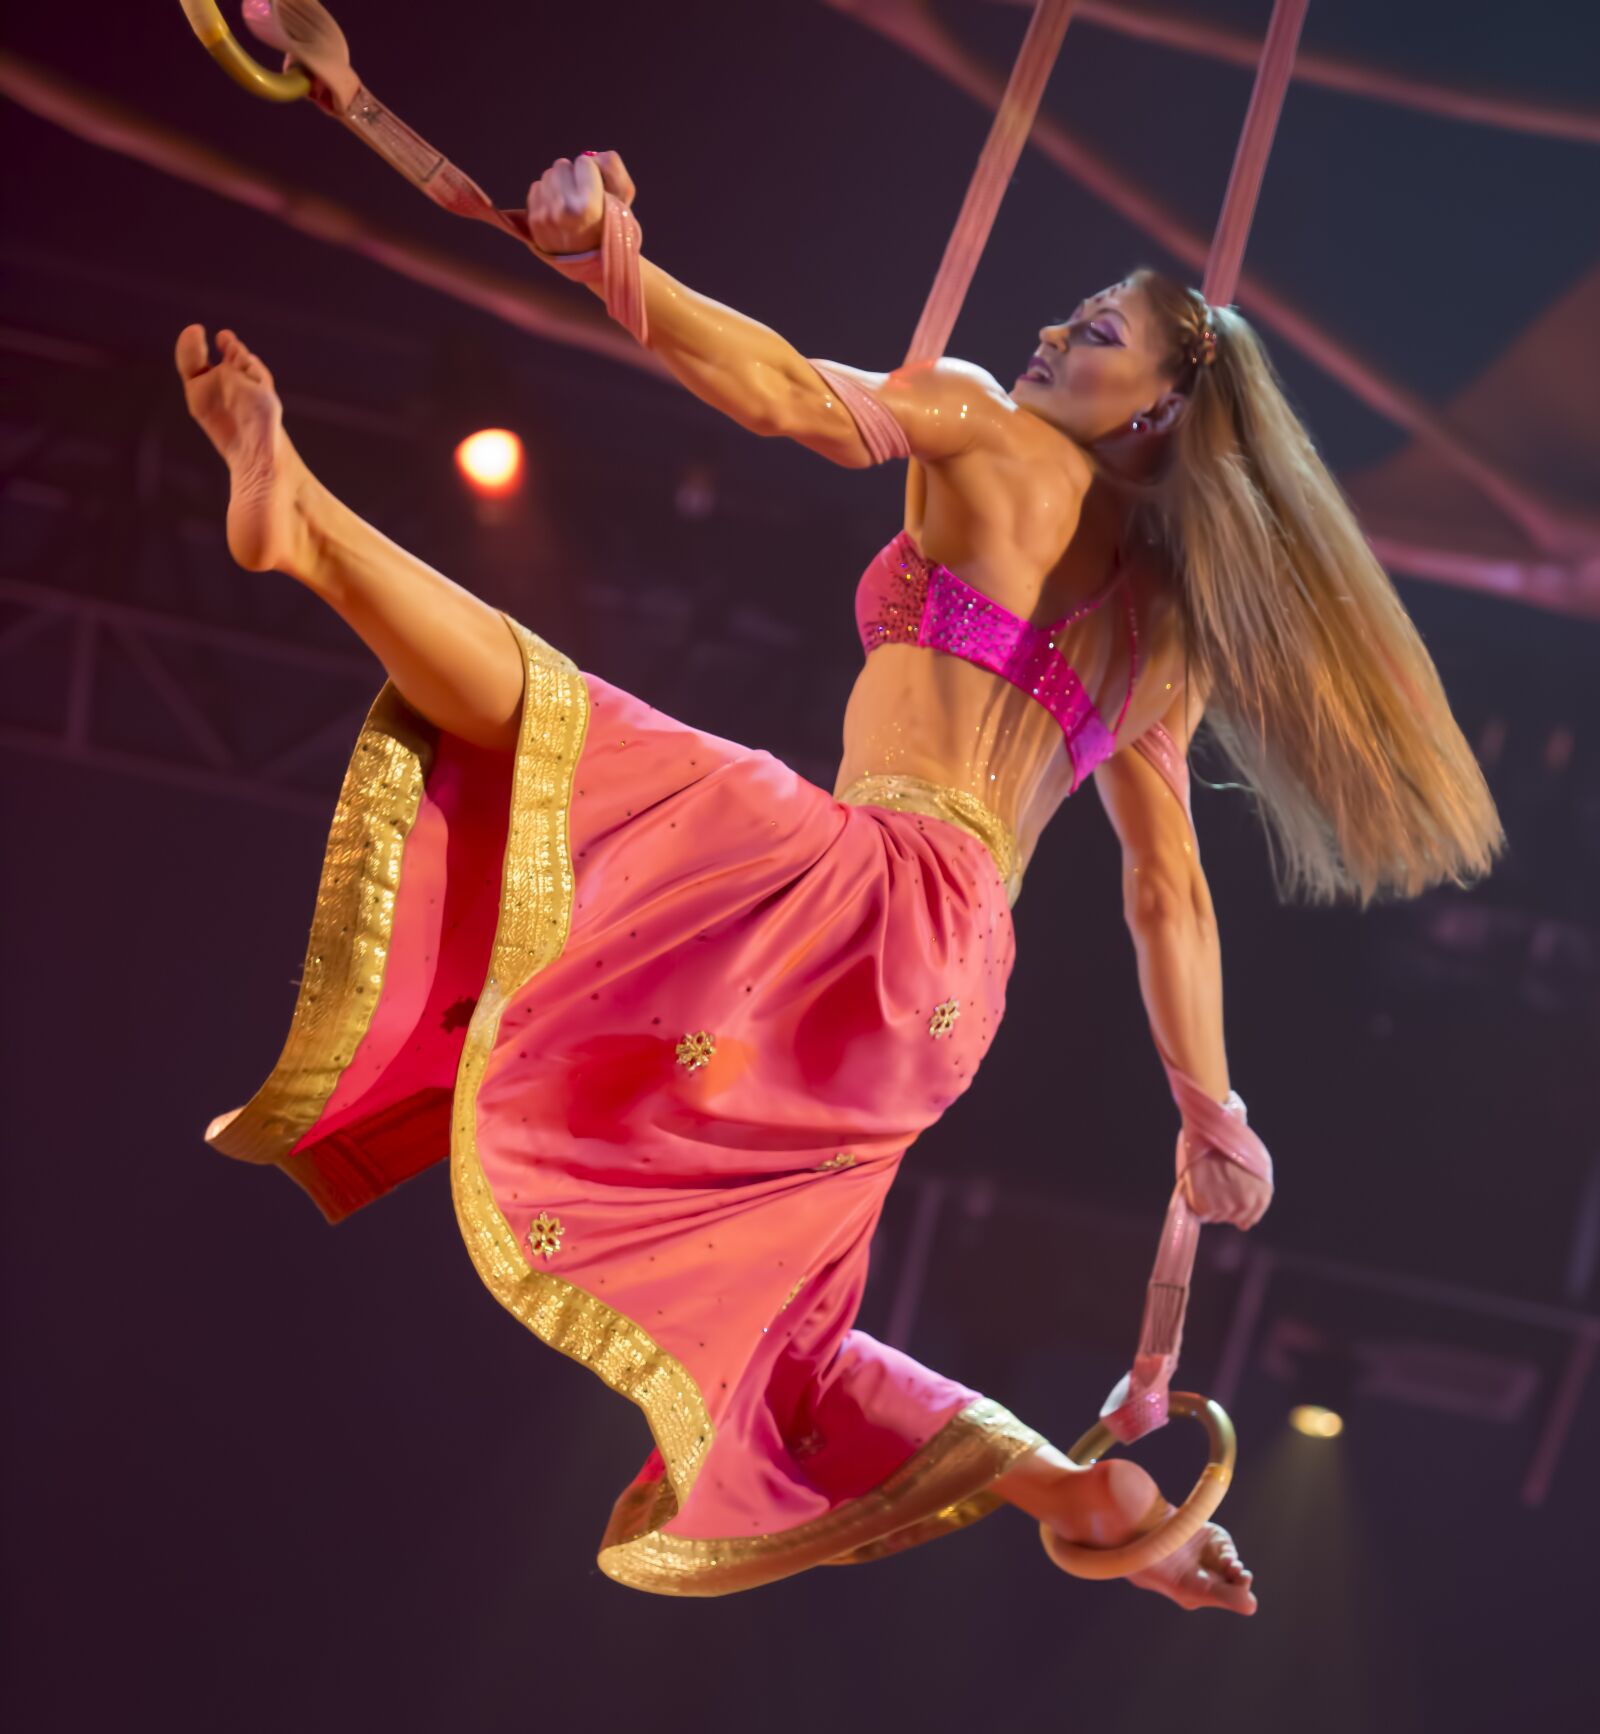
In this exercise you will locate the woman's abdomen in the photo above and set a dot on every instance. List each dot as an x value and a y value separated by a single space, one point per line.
918 712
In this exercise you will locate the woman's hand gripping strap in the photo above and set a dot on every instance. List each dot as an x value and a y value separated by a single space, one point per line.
614 264
1138 1403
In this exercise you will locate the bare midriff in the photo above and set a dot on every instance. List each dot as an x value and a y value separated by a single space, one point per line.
918 712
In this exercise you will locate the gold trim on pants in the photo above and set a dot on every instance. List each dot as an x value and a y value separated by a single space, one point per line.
901 793
944 1486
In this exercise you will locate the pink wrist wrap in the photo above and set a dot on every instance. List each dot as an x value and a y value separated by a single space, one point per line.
1138 1403
614 264
880 433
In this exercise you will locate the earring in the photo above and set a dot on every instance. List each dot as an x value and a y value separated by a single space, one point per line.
1138 424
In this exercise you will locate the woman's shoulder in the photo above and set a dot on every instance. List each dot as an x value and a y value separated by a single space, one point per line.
1009 440
952 372
959 388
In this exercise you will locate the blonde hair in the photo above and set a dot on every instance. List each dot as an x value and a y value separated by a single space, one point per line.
1320 689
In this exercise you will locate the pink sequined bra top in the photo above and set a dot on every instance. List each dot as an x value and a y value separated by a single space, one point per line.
905 598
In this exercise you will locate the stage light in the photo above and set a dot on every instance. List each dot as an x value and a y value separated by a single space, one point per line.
491 461
1315 1421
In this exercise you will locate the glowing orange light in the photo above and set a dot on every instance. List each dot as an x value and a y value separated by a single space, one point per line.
491 460
1315 1421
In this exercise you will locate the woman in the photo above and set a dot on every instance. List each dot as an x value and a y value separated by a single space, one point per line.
678 1014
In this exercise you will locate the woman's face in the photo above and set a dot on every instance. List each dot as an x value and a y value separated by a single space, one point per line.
1094 372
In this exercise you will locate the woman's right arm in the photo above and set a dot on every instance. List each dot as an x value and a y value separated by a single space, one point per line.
750 373
746 369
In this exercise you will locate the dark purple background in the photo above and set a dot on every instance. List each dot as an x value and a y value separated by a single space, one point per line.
263 1476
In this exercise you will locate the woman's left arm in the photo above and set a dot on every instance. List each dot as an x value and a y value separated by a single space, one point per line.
1168 908
1167 905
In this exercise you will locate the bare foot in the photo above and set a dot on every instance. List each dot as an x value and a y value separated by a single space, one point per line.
235 401
1204 1573
1115 1500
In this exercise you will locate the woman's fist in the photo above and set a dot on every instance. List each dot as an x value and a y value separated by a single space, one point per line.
567 201
1219 1190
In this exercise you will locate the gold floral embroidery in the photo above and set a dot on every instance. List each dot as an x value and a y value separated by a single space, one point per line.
845 1159
944 1017
696 1050
544 1235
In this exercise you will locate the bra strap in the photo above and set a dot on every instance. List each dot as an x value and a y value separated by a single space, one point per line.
1074 615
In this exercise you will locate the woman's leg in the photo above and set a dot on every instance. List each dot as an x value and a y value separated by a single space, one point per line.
449 654
1112 1502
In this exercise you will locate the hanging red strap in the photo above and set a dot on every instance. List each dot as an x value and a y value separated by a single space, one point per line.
1255 146
1013 121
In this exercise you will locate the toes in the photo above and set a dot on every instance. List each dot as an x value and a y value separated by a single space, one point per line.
1223 1564
190 353
1219 1592
243 360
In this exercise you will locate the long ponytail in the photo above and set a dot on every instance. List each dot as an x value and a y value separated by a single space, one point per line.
1321 691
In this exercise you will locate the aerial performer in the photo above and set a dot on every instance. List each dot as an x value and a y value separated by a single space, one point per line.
674 1015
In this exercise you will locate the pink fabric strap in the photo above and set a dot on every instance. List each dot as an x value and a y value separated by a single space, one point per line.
1138 1403
1156 745
1255 146
318 46
880 433
1013 121
614 264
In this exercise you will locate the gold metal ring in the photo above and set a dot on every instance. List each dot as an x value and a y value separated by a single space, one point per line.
220 44
1185 1522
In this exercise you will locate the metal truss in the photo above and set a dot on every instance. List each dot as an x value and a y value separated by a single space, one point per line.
80 643
128 643
131 643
